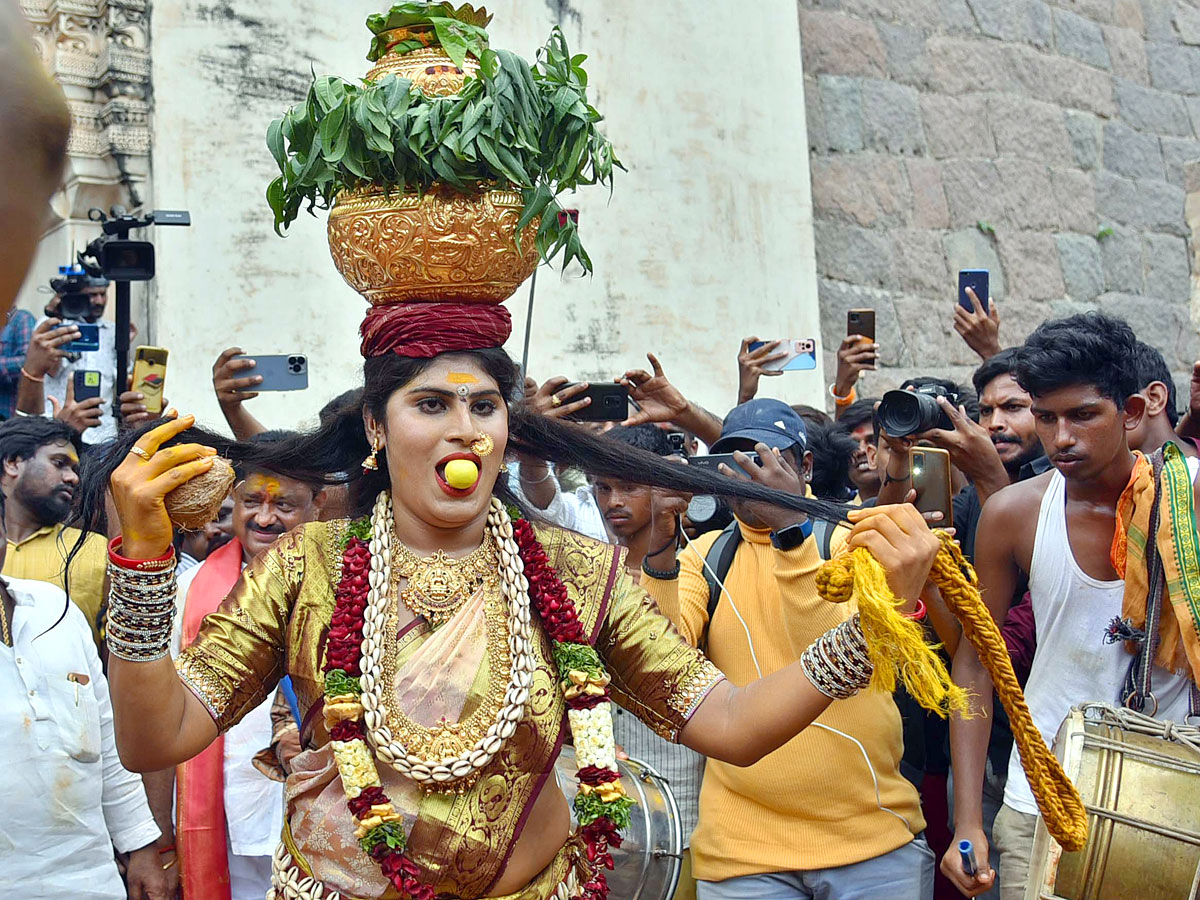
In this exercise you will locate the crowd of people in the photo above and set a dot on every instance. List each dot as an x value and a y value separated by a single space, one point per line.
781 792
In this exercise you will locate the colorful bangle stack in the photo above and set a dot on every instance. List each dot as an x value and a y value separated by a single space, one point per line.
837 663
141 606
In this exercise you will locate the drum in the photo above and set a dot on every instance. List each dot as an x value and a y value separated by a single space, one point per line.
1142 794
646 865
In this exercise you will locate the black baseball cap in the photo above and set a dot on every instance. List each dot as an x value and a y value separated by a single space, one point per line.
767 421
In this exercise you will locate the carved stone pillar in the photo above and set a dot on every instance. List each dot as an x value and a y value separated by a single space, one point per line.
99 52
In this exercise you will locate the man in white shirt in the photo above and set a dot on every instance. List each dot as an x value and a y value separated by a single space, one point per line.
68 800
265 506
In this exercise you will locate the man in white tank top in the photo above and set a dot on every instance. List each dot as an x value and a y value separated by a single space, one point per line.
1057 530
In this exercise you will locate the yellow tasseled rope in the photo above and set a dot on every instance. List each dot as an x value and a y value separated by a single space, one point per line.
897 648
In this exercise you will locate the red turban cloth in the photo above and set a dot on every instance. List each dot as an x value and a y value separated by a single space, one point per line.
423 330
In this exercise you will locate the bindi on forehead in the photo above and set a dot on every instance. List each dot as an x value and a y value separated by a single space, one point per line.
265 484
461 378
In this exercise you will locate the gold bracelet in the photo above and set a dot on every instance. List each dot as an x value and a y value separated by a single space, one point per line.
33 378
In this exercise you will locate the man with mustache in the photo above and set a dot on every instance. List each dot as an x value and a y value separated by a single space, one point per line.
229 813
1056 531
40 471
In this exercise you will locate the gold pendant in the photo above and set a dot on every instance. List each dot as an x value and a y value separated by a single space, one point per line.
439 585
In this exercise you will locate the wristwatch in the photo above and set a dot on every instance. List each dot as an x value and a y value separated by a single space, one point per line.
791 537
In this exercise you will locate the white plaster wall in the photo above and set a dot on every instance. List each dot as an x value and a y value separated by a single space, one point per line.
706 239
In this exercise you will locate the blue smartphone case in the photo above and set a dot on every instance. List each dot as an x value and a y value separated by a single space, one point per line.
976 280
89 339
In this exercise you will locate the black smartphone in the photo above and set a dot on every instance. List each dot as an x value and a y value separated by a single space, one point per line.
88 340
610 403
713 460
87 384
861 322
976 280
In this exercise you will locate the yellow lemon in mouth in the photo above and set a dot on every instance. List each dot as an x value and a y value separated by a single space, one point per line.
461 473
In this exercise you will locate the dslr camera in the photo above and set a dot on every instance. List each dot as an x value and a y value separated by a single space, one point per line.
905 413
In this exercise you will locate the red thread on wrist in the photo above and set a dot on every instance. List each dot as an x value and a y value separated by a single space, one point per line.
167 849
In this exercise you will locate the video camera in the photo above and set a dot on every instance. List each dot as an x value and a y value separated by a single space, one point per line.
113 255
905 413
71 286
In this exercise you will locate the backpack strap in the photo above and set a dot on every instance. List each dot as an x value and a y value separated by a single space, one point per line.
718 561
823 532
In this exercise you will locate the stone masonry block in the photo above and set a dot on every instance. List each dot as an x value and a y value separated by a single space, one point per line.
1028 196
918 264
1014 20
1084 131
1061 80
959 66
1173 67
1158 20
1193 108
1031 265
1117 200
1187 23
841 107
917 12
974 191
1083 272
1176 152
836 44
866 190
1131 153
1151 110
955 17
1128 14
814 116
927 328
849 253
1078 37
1030 128
1166 268
1075 198
970 248
1121 257
957 125
1162 207
1127 51
891 117
905 49
930 209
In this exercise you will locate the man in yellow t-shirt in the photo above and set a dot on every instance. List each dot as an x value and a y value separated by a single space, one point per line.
40 471
828 814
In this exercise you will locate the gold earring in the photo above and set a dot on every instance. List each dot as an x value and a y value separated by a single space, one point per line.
371 463
483 445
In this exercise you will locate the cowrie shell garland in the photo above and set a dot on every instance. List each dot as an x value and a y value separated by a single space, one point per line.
515 590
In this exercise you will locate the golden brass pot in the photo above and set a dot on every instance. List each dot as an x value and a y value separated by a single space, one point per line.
443 246
429 68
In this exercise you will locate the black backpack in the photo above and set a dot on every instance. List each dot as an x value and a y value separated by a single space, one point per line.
720 557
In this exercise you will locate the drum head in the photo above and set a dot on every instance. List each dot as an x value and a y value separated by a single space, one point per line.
646 865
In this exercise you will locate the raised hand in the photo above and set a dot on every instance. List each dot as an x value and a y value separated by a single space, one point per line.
555 399
979 328
230 384
143 480
46 351
857 354
900 540
79 415
750 366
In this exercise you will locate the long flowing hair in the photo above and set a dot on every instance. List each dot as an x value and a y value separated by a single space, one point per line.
333 453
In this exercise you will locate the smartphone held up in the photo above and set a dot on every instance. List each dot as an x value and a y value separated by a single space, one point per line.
794 355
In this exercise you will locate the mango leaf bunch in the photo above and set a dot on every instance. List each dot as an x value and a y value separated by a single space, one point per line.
516 126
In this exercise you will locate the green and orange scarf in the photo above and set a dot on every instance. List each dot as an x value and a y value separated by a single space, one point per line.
1178 544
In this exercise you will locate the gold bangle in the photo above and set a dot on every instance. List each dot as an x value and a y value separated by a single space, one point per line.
168 865
33 378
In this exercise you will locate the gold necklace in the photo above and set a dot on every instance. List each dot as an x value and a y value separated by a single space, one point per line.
5 630
439 585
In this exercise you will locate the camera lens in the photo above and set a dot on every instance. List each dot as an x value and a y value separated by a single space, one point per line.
904 413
